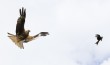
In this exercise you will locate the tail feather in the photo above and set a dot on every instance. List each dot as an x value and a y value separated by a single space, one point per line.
17 41
10 34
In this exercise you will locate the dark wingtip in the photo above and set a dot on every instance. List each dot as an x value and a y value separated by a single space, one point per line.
44 33
7 32
22 12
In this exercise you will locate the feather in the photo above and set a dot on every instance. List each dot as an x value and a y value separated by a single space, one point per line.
30 38
17 41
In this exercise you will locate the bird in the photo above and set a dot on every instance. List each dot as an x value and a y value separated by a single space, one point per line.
98 38
22 35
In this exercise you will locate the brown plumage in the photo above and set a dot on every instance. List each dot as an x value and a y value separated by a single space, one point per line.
22 35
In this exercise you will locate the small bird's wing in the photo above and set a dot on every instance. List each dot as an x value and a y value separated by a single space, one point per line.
20 22
17 41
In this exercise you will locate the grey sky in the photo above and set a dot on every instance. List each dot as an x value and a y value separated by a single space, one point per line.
72 25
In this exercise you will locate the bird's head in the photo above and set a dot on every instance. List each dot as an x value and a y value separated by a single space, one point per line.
27 31
97 35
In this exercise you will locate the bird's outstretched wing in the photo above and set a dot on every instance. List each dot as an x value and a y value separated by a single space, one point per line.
20 42
20 22
30 38
16 40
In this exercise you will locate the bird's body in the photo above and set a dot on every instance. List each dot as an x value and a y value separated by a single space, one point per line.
98 38
22 35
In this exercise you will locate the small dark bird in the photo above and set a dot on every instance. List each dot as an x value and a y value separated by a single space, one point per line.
98 38
22 35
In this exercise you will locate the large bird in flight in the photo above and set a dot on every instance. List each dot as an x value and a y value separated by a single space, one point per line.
22 35
98 38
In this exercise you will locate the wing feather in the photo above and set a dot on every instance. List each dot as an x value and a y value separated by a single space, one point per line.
30 38
20 22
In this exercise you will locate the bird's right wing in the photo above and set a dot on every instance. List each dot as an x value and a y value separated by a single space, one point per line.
30 38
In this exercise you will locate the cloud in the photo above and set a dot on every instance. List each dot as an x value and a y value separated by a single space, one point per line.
72 25
79 22
106 62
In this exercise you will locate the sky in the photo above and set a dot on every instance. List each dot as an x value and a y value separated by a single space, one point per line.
72 25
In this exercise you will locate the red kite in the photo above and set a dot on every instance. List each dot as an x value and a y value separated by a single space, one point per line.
22 35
